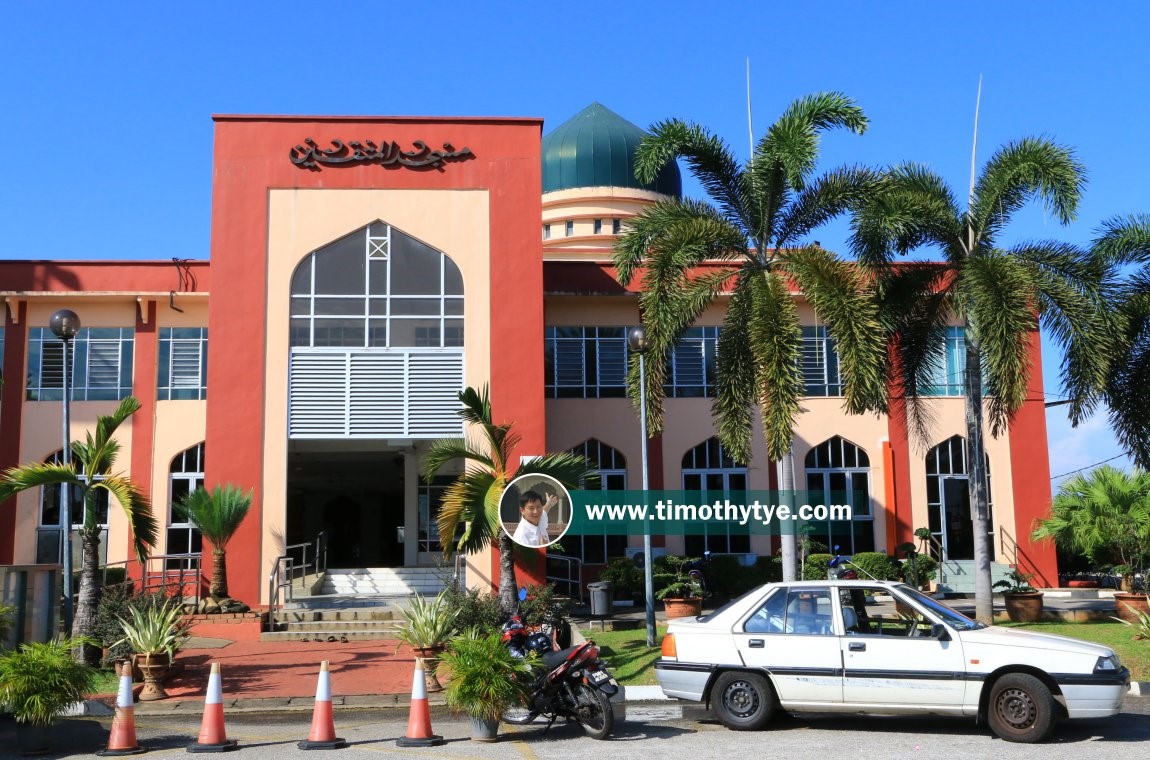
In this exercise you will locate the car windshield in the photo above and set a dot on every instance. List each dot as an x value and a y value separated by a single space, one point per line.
955 620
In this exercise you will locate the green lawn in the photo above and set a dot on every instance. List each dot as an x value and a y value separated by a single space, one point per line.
632 663
1134 653
627 655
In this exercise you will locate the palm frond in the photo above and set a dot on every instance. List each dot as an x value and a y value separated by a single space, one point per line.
1123 240
141 522
776 342
736 395
909 207
825 198
708 159
792 141
1003 314
217 513
1030 168
17 479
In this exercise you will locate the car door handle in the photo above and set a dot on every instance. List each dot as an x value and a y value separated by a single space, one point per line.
755 643
857 646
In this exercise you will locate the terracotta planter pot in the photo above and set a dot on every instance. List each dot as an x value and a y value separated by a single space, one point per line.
430 656
1126 604
1025 607
155 669
677 608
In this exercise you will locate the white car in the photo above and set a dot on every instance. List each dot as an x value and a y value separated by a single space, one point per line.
882 648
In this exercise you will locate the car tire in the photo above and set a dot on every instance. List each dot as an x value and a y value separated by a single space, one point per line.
1021 709
743 701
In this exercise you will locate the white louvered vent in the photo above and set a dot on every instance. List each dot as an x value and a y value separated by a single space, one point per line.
375 394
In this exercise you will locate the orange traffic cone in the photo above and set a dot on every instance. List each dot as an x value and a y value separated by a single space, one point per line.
122 740
213 737
419 719
322 735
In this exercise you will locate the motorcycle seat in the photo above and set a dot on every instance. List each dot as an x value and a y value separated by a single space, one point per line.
552 660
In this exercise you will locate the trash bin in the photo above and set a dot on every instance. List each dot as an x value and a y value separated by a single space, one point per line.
600 598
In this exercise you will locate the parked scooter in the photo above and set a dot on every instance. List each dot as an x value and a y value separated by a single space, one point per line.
839 568
571 683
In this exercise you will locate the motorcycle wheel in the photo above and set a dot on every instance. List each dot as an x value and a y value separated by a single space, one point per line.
518 715
593 710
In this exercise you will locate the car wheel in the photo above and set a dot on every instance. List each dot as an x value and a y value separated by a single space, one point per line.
1021 708
743 701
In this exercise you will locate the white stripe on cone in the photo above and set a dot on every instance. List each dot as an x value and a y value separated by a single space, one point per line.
215 694
124 695
419 684
323 688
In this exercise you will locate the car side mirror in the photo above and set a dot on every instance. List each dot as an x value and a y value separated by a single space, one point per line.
940 632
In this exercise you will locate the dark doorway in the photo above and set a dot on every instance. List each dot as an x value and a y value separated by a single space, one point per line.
356 497
956 511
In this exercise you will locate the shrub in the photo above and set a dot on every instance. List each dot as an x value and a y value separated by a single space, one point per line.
626 579
476 610
927 569
816 567
876 565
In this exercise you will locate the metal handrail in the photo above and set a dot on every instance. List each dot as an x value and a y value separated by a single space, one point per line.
459 575
188 573
574 577
278 580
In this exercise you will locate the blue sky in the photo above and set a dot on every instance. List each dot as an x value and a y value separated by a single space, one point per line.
111 103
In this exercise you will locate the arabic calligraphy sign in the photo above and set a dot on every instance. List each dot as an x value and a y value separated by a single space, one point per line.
311 156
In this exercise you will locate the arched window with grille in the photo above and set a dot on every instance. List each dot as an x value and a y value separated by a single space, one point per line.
707 468
612 467
185 475
838 472
948 498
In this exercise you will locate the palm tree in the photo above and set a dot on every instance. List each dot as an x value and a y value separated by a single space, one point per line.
1126 241
1104 516
749 239
999 295
218 514
90 473
471 503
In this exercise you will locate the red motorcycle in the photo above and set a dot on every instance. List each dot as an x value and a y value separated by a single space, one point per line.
571 683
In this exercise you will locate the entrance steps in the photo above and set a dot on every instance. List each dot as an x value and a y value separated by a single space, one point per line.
385 581
360 604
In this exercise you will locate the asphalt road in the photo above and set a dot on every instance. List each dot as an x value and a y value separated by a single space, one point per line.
649 731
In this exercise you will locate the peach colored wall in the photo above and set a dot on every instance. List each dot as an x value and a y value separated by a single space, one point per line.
302 220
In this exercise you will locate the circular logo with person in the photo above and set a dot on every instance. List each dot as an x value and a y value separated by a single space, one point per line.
535 510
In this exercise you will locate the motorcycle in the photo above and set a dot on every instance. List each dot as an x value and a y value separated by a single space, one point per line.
839 568
571 683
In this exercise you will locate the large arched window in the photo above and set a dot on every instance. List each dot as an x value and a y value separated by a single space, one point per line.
709 469
377 288
185 475
49 548
376 339
948 498
612 467
838 472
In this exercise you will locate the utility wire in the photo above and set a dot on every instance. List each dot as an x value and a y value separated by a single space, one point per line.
1089 466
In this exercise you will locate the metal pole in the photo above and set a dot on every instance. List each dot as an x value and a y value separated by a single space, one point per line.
66 503
648 573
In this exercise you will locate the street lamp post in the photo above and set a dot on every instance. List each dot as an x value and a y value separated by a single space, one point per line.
637 341
64 324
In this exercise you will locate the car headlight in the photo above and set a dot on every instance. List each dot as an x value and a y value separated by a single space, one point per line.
1107 664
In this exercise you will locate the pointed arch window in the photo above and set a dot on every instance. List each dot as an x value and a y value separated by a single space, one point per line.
377 288
948 498
49 548
838 472
185 474
612 467
709 469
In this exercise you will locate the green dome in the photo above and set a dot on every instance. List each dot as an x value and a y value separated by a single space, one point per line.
596 148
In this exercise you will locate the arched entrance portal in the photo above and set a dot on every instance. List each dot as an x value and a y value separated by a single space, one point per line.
376 369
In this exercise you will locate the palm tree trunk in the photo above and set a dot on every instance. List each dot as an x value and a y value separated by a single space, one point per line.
976 469
787 531
88 598
508 592
219 587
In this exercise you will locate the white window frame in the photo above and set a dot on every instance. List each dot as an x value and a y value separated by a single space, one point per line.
716 463
586 361
100 362
186 352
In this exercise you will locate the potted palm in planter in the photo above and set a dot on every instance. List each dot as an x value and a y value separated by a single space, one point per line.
155 633
683 595
486 679
427 625
1023 601
38 683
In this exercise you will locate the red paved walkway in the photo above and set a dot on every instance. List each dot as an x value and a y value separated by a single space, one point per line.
253 670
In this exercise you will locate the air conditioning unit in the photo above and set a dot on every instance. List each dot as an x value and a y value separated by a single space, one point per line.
636 554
